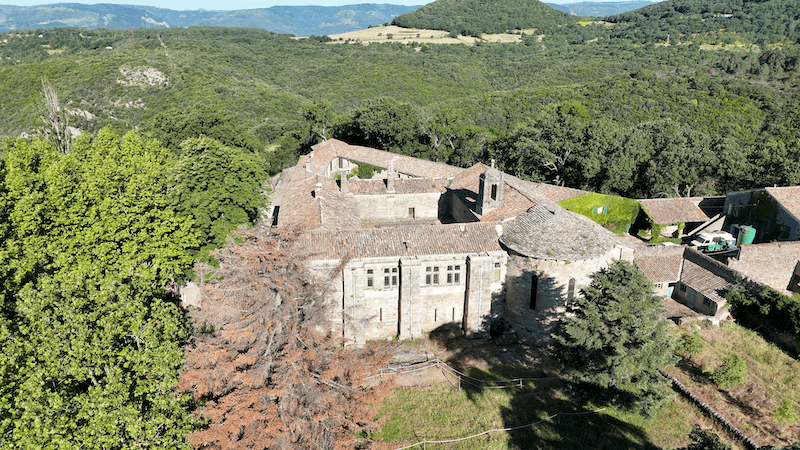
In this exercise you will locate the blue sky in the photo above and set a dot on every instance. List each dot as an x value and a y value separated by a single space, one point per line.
241 4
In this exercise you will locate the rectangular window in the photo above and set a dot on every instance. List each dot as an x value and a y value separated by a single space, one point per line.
435 315
453 274
494 192
380 312
431 275
370 278
706 301
394 276
386 278
411 214
683 287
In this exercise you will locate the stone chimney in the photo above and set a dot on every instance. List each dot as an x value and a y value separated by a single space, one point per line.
390 177
318 189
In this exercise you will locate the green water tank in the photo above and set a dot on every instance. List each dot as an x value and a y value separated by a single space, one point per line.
745 236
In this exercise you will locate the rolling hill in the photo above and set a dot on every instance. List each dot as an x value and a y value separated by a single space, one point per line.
476 17
297 20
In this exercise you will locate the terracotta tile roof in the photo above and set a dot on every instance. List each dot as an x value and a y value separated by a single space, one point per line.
661 264
301 209
401 241
551 232
556 193
772 264
707 276
518 195
401 186
326 151
675 210
788 197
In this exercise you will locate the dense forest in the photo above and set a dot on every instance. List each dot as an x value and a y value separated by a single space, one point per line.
179 128
562 110
475 17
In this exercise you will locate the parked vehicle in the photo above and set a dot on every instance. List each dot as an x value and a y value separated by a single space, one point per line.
712 241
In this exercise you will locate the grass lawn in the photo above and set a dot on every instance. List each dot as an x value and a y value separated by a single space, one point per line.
443 412
613 212
772 376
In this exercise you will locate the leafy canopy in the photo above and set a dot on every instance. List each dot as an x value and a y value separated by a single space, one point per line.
90 344
218 186
617 338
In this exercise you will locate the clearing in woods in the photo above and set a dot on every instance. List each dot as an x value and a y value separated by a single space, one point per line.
392 33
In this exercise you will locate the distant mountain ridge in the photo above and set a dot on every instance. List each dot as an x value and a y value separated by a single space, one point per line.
298 20
600 9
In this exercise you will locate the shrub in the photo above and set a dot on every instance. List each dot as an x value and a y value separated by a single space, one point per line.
690 345
732 372
705 440
786 412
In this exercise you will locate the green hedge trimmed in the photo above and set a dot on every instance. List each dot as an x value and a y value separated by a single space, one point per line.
611 211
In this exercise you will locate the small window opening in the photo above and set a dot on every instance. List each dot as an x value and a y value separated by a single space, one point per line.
571 289
534 290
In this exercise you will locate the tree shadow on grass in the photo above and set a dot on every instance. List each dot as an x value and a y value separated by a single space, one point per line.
576 426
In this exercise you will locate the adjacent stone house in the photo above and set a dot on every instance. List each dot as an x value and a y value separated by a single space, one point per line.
774 212
694 213
775 264
704 282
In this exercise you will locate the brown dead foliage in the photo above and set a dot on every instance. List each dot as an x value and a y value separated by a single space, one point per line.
272 375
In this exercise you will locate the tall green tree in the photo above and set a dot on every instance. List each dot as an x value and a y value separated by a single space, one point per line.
219 187
551 140
173 126
617 338
387 124
90 342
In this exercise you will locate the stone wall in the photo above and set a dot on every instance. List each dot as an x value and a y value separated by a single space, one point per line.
460 212
683 294
554 280
416 298
772 264
394 207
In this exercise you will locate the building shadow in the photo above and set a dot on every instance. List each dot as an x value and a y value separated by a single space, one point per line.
534 400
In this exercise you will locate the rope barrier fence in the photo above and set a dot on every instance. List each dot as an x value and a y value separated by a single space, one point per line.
496 430
462 377
472 381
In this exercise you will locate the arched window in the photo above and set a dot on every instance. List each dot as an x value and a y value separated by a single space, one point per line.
571 289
